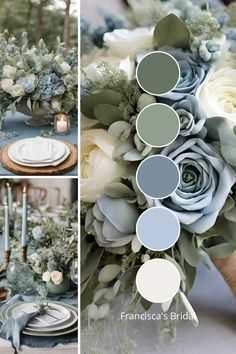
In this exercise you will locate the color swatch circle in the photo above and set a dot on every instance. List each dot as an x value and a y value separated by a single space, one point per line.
158 280
158 73
157 176
158 125
158 228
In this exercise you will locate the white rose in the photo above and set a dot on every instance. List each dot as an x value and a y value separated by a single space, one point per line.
17 90
65 67
56 277
124 43
37 233
46 276
9 71
217 94
6 85
97 166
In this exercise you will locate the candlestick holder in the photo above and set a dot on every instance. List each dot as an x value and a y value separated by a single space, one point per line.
23 257
61 124
6 260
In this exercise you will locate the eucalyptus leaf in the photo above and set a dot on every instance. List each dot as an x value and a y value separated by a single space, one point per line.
28 103
227 229
216 247
166 305
84 250
86 298
190 275
117 129
231 215
188 249
171 31
229 204
105 96
90 265
118 190
107 113
189 308
177 265
219 130
136 245
145 304
108 273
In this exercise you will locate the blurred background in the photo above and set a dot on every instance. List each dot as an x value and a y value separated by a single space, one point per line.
45 19
51 191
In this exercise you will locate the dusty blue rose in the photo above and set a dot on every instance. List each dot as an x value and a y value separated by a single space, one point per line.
28 82
205 182
114 221
192 73
191 116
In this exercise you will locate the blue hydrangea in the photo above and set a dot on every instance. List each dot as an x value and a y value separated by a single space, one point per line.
50 85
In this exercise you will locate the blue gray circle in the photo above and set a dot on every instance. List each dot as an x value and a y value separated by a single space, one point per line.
157 176
158 229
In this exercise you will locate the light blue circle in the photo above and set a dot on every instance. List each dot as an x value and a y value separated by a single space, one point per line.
158 229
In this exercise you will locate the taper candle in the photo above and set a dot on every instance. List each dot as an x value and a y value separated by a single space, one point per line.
24 218
9 197
6 229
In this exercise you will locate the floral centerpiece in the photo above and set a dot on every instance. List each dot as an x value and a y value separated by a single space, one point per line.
202 40
35 77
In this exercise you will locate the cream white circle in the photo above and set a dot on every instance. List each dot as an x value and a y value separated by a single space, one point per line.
158 280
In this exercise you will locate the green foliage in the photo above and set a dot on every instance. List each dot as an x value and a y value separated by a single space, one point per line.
172 31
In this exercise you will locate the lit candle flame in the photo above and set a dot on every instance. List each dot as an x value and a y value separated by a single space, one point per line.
24 189
8 184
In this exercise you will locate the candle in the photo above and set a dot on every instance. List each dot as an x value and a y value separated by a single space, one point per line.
6 228
24 218
62 123
9 197
61 126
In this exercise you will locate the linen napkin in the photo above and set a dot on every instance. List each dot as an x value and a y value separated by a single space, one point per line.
37 150
12 328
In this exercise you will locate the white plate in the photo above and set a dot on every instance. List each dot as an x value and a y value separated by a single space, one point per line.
16 151
55 315
55 163
64 325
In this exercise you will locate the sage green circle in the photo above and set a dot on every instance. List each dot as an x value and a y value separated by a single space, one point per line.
158 73
158 125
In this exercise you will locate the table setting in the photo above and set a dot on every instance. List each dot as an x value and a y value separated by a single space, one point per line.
38 272
39 110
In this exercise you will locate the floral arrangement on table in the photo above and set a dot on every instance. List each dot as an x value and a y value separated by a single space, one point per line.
36 77
202 39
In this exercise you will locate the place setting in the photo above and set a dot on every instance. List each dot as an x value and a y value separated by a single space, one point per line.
39 269
39 156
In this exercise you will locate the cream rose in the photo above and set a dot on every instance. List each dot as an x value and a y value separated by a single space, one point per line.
97 166
56 277
6 85
9 71
124 43
46 276
17 90
217 94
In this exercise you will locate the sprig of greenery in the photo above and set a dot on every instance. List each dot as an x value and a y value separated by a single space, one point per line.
204 23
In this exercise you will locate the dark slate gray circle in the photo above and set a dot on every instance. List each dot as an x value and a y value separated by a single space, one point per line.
157 176
158 228
158 73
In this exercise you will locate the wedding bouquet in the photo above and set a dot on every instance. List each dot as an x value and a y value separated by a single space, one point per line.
36 77
202 40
